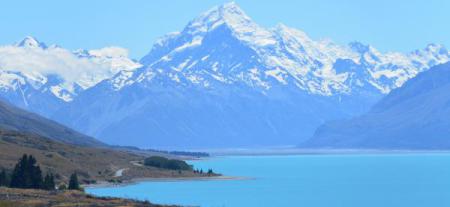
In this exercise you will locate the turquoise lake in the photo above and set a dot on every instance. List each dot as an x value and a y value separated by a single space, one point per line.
382 180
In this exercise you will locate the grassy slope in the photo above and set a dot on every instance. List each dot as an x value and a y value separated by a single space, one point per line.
16 119
39 198
98 164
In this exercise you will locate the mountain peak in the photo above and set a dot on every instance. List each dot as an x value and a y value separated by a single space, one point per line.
31 42
230 6
234 18
228 13
436 48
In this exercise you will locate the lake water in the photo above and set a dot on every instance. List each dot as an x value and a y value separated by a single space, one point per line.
407 180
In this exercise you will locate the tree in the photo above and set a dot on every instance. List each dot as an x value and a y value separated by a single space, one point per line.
26 174
52 184
73 182
18 176
49 182
171 164
3 180
35 173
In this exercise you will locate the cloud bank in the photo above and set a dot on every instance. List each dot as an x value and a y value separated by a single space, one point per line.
73 67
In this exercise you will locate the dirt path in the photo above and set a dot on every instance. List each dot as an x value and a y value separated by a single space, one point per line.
119 172
136 163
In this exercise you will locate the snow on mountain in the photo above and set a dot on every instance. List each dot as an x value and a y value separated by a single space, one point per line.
225 81
31 42
414 116
231 15
30 68
287 56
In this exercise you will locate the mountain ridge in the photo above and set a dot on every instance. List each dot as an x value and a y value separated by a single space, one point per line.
411 117
15 119
297 44
223 80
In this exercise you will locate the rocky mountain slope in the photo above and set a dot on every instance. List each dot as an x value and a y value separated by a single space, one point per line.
414 116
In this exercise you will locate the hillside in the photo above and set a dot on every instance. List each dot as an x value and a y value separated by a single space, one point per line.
91 164
414 116
15 119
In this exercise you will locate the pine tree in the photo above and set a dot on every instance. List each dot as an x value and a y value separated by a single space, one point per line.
49 182
3 181
18 176
73 182
35 173
26 174
52 183
46 182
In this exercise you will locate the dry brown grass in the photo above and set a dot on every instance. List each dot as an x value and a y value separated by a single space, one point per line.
98 164
36 198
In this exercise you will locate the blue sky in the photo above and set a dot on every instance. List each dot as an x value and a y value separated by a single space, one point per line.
401 25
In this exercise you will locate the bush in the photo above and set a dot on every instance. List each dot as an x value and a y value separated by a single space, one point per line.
171 164
62 187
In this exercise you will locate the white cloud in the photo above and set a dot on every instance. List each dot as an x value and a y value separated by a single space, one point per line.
110 52
86 71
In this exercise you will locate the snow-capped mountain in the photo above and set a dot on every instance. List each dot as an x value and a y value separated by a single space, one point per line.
283 56
31 42
40 78
226 81
414 116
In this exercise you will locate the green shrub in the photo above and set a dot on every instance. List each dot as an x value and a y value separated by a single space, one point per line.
171 164
62 187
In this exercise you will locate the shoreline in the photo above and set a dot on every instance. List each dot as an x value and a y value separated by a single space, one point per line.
105 184
273 152
294 151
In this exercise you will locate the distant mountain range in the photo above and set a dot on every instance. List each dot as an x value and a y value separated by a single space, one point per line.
43 78
223 81
414 116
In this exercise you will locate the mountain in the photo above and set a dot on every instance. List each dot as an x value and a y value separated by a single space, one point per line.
42 78
414 116
225 81
18 120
